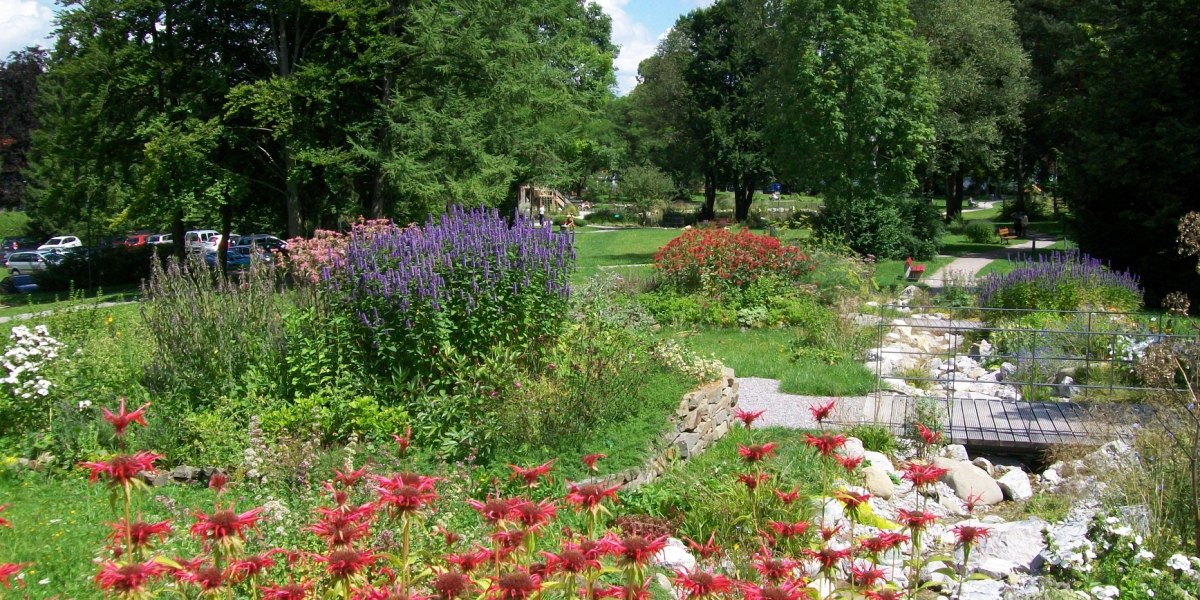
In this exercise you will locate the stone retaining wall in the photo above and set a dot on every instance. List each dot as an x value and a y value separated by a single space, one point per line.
704 416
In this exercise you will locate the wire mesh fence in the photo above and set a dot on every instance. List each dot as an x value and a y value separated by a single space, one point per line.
1039 372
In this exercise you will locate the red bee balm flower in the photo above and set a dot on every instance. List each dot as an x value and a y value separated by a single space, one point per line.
590 460
702 584
752 481
774 569
450 585
786 591
494 510
515 585
632 549
138 533
122 468
204 576
571 559
922 474
4 522
404 441
224 523
123 419
252 566
408 496
753 454
969 534
828 557
8 570
788 497
915 520
929 437
748 418
850 463
825 444
866 575
217 482
852 500
533 514
821 412
469 561
351 477
531 475
589 495
346 562
706 550
790 529
290 591
127 578
885 541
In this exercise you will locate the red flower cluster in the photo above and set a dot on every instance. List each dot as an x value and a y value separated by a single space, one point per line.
734 259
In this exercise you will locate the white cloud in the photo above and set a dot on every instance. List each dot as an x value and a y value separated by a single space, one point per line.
26 23
637 43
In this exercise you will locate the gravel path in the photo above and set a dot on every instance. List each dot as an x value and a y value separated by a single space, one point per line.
791 410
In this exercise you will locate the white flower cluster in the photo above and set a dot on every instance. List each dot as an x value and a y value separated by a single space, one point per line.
673 355
27 353
1077 557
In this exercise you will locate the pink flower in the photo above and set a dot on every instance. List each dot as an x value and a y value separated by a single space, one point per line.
825 444
632 549
127 578
533 474
922 474
752 481
224 523
589 495
787 498
515 585
590 460
122 468
969 534
927 436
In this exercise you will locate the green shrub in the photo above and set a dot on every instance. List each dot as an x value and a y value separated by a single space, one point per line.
876 438
209 332
107 267
981 232
882 226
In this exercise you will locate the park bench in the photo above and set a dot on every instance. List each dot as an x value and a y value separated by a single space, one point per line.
672 220
913 271
723 222
1005 234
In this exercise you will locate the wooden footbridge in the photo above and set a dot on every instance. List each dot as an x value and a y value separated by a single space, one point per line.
1009 425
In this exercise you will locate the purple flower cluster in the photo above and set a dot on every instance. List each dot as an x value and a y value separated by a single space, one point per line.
1062 280
457 262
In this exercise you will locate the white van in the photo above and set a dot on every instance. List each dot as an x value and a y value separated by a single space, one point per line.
61 242
195 241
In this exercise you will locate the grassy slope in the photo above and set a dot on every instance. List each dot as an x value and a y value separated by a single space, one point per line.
767 353
596 248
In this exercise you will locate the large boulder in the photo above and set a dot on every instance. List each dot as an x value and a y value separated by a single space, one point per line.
1017 542
969 481
880 460
675 557
878 483
1015 485
853 448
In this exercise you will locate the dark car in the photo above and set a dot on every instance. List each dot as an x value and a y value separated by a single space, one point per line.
261 240
234 259
18 284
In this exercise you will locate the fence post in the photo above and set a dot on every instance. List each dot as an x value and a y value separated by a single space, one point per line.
1087 354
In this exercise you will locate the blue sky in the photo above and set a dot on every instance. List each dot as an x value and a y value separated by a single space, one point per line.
637 27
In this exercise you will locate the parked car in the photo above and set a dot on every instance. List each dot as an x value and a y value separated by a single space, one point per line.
18 284
215 241
12 244
160 239
61 242
233 259
30 261
262 240
194 242
137 239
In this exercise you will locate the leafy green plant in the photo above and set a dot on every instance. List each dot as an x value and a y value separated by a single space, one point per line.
874 437
981 232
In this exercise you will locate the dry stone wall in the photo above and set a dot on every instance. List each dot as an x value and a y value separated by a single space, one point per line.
704 416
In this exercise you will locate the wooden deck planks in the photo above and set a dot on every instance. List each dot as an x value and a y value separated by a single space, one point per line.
998 423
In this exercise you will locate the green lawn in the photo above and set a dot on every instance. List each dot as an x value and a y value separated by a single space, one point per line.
767 353
1005 265
16 304
596 248
890 273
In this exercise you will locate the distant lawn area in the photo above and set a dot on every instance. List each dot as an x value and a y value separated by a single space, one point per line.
767 353
597 248
1006 265
16 304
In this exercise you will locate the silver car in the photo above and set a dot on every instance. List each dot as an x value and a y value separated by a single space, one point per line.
29 262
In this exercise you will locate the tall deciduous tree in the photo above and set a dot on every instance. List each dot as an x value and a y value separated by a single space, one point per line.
853 106
18 89
982 73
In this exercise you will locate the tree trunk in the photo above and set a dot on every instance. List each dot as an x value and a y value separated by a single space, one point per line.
223 247
708 211
177 233
745 195
293 194
954 195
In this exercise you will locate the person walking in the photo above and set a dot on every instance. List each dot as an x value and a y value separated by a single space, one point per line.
541 214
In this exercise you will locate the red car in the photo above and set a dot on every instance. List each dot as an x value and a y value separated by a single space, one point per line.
137 239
